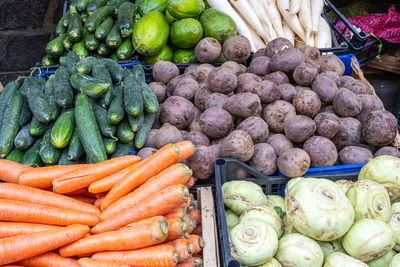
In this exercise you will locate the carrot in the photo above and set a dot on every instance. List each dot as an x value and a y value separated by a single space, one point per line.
177 228
191 182
186 149
9 229
12 265
98 201
156 204
191 224
37 196
198 230
49 259
10 170
84 198
176 174
21 247
138 235
16 211
88 262
160 256
196 215
198 243
77 192
179 212
188 263
184 248
82 178
42 177
162 159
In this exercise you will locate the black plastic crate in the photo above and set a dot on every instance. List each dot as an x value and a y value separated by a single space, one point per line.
225 171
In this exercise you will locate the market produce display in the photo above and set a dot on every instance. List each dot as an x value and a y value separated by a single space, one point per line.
319 222
156 224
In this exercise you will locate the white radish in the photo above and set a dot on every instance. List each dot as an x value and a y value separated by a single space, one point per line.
291 20
289 34
225 7
323 38
274 15
294 7
257 40
262 15
304 17
316 10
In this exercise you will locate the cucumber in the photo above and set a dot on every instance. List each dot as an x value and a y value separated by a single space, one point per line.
75 27
98 16
63 160
84 17
75 149
37 101
97 55
123 149
37 128
85 65
42 81
126 12
100 71
95 5
124 132
48 61
73 4
26 114
80 49
117 3
106 129
114 38
55 47
66 19
31 156
133 100
60 28
90 86
15 155
103 49
70 61
104 28
106 100
110 145
24 139
63 129
114 57
116 111
88 130
91 42
125 50
81 5
49 92
138 72
136 122
48 153
149 98
115 70
63 91
67 43
6 95
143 132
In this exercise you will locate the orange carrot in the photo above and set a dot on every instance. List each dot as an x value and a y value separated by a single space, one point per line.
188 263
184 248
141 234
9 229
154 164
84 198
191 182
191 224
196 215
88 262
37 196
159 255
179 212
12 265
10 170
177 228
42 177
156 204
82 178
16 211
22 247
176 174
77 192
49 259
186 149
197 242
98 201
198 230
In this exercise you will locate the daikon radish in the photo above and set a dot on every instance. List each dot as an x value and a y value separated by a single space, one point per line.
305 21
323 38
262 15
291 20
257 40
316 10
274 15
288 33
295 6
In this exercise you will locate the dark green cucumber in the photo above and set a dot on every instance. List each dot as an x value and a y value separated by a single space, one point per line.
37 102
6 95
15 155
98 16
136 122
103 49
149 98
116 71
91 42
81 5
116 111
42 81
117 3
106 100
26 114
48 153
85 65
114 38
125 50
70 61
100 71
98 56
63 160
63 91
106 129
84 17
49 92
123 149
66 19
37 128
95 5
141 135
75 149
110 145
60 28
138 72
133 100
88 130
124 132
126 12
67 43
114 57
80 49
55 47
63 129
23 140
32 157
88 85
48 61
104 28
75 27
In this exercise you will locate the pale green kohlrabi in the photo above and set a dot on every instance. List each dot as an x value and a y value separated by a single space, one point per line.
394 222
288 227
231 219
329 247
253 242
271 263
344 185
339 259
240 195
368 239
384 170
395 262
318 208
291 183
383 261
370 200
299 251
266 214
277 203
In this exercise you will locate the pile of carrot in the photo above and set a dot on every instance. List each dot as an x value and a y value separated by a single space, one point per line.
121 212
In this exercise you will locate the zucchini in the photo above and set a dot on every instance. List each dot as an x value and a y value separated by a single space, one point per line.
24 139
106 129
15 155
81 5
95 5
125 50
26 114
123 149
63 160
80 49
124 132
75 149
55 47
6 95
63 129
117 3
116 111
143 132
84 17
90 86
98 16
66 19
136 122
91 42
70 61
103 49
133 100
85 65
48 153
116 71
48 61
110 145
126 12
37 101
104 28
75 26
114 38
60 28
88 130
106 100
49 92
37 128
63 91
31 156
149 98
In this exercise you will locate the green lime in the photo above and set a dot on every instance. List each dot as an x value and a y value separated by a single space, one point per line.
185 56
186 33
166 54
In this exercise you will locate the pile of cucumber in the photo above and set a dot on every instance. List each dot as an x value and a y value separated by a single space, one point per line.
100 28
88 111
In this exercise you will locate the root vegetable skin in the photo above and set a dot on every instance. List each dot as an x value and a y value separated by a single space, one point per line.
316 10
291 20
287 32
275 16
304 17
259 9
323 37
